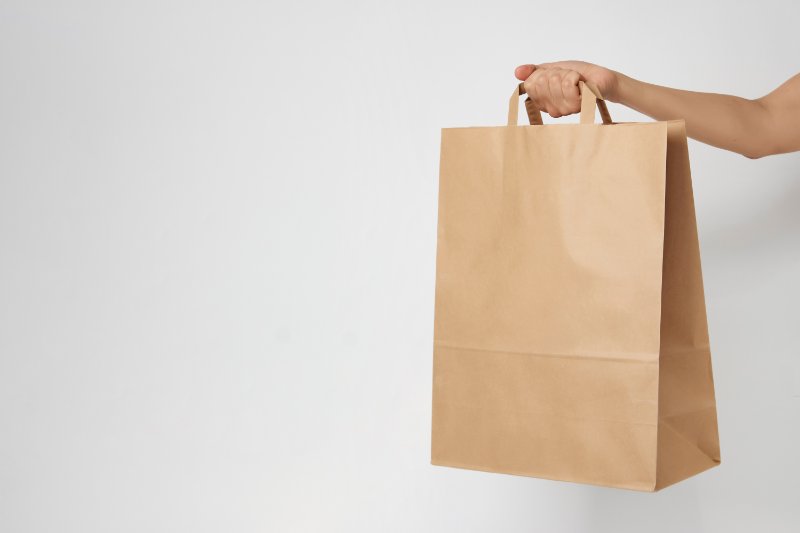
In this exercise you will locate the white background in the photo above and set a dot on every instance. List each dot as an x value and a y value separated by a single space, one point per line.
217 232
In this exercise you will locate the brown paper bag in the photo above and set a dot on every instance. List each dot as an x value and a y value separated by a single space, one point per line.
570 335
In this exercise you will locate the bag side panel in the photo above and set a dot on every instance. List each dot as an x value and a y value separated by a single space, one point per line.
688 441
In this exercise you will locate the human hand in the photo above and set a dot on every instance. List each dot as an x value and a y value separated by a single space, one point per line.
553 87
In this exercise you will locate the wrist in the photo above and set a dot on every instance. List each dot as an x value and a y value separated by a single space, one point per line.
622 89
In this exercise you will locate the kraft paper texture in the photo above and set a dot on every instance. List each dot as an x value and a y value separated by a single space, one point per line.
570 332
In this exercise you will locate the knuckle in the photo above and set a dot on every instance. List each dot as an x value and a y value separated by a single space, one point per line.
528 85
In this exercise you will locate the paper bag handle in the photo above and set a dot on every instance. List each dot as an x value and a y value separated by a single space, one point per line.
590 99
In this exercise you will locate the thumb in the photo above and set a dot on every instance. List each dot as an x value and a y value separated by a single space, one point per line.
522 72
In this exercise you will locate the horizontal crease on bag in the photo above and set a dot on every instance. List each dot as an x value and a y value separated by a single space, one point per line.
642 357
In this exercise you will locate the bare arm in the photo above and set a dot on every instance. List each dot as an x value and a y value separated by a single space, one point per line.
754 128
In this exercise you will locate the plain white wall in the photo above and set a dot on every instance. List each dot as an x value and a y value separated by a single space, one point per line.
218 224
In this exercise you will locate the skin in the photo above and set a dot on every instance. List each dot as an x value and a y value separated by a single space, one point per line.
753 128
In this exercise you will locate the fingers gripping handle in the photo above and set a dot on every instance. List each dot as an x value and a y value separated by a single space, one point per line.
590 99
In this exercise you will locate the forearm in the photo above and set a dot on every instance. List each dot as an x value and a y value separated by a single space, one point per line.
721 120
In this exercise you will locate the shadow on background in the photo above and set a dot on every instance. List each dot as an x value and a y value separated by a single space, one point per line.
763 228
